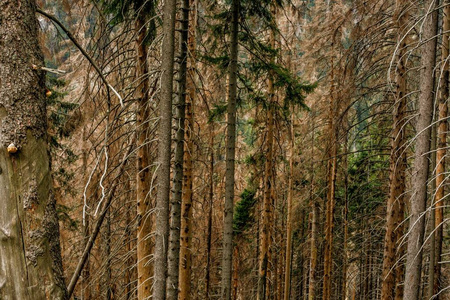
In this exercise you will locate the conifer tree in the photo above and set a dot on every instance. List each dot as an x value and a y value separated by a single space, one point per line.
30 253
421 165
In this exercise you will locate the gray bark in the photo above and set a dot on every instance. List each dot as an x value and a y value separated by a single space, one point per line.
421 163
30 255
164 152
230 157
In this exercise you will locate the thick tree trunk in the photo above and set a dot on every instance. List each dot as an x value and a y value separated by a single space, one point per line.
144 228
164 152
421 164
30 255
396 199
230 156
175 225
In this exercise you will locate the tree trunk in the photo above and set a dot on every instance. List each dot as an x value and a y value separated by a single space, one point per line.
30 254
230 156
331 170
85 288
421 164
144 228
314 223
108 273
174 237
210 211
396 199
186 207
345 220
267 203
267 212
164 152
287 277
441 152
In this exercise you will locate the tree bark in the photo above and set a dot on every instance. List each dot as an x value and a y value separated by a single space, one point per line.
421 164
287 276
230 156
395 202
267 213
164 152
331 186
174 236
314 223
144 228
30 254
441 152
186 207
210 212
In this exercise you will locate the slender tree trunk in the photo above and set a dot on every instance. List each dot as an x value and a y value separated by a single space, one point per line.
267 212
144 228
267 204
396 199
164 152
186 208
86 289
210 211
428 291
345 220
421 164
107 245
174 237
287 277
236 272
331 170
314 224
441 153
230 156
129 280
30 254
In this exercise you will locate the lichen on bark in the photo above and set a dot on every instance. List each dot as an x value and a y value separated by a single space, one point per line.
22 89
30 254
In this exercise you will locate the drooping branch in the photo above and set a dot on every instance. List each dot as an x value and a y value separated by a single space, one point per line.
85 54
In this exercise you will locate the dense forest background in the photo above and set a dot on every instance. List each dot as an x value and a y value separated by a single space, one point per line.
239 149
